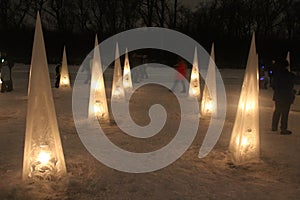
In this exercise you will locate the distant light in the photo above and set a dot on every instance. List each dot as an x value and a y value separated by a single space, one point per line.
262 78
263 67
271 72
2 60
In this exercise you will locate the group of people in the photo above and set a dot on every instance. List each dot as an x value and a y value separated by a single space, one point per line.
282 82
5 73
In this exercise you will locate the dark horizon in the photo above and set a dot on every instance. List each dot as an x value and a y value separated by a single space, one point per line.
227 23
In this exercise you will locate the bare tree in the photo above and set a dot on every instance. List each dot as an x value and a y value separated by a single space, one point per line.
290 17
175 13
13 13
57 6
147 11
129 12
160 8
81 14
39 5
112 20
98 8
296 15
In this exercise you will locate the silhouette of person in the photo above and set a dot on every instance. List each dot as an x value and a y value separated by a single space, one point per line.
57 74
6 77
284 95
272 71
87 67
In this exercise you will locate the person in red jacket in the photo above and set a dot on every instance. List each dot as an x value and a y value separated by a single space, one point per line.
181 75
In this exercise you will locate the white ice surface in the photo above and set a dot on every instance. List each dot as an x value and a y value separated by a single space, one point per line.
276 176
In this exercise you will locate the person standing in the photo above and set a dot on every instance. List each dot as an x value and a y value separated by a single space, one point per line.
180 76
283 96
87 67
263 80
272 71
144 73
6 77
57 74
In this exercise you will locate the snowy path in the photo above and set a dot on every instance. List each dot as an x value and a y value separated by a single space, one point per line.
276 176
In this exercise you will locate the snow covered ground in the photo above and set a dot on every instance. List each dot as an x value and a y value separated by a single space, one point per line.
276 176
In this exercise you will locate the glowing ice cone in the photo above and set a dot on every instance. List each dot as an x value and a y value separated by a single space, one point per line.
117 85
43 153
288 58
30 69
244 142
127 82
209 98
194 90
98 103
64 75
0 81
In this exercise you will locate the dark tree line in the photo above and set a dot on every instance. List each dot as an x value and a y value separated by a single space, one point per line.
269 18
237 18
229 23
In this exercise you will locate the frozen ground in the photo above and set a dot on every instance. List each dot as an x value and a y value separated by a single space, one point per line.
276 176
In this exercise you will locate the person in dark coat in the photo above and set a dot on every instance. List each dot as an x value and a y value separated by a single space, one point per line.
57 74
284 95
271 71
6 77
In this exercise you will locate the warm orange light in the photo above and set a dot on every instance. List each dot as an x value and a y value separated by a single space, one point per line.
97 100
209 106
194 76
98 110
209 98
247 106
43 154
117 93
127 82
65 81
43 157
194 90
244 143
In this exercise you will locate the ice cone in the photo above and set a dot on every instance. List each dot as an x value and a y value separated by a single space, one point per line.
43 153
